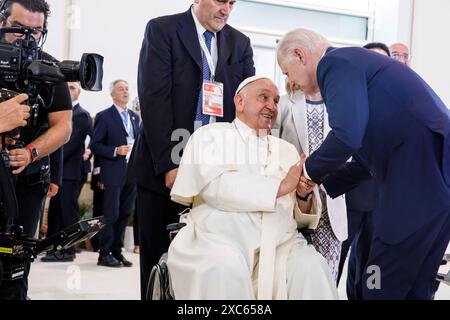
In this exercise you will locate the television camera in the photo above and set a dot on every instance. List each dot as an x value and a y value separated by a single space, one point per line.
23 69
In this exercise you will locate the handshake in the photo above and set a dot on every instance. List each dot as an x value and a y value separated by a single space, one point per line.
295 180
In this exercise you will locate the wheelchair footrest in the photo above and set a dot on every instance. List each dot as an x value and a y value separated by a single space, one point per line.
445 278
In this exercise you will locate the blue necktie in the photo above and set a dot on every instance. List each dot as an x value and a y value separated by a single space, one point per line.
199 116
124 115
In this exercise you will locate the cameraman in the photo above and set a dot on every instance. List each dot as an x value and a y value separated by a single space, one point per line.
31 163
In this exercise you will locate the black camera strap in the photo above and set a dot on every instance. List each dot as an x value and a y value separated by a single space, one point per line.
8 193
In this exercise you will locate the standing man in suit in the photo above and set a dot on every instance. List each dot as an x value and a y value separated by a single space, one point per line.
360 201
115 130
398 131
180 55
64 210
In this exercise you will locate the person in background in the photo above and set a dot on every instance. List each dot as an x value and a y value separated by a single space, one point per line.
400 52
64 209
115 130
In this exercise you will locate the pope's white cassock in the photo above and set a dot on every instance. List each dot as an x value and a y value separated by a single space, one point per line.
241 242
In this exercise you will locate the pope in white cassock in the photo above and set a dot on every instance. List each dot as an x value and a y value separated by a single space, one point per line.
241 239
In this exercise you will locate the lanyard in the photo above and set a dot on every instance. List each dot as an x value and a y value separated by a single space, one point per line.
208 57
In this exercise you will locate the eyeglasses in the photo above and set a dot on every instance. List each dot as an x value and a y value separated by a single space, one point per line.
37 32
400 56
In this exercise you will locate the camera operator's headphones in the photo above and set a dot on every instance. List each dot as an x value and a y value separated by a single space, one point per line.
3 18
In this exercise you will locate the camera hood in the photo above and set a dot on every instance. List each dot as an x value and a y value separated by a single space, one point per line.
88 71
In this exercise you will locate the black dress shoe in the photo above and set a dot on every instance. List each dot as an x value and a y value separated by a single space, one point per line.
109 261
123 260
58 257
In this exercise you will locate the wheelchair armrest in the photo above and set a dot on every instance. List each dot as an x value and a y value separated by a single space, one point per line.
175 226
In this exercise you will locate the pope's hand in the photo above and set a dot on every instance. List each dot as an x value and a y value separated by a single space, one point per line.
290 182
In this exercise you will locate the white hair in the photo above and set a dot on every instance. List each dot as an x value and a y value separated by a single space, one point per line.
113 84
300 38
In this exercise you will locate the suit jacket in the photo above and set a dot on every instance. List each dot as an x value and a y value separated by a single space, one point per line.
74 168
56 167
292 123
110 133
396 128
169 83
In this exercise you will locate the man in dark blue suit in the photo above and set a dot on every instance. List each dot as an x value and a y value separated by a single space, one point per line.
64 210
396 129
115 130
179 54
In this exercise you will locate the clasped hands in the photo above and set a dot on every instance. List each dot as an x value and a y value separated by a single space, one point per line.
295 180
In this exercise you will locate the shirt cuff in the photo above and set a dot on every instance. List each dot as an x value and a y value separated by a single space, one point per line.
305 173
115 152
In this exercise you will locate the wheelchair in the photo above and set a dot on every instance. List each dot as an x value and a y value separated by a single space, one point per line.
159 285
444 278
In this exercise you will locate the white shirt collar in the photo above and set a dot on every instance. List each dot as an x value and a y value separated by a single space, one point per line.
324 53
74 103
200 29
119 109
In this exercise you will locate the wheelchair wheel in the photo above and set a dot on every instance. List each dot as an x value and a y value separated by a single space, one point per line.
159 287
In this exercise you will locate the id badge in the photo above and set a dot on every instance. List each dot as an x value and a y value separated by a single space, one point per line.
130 142
213 99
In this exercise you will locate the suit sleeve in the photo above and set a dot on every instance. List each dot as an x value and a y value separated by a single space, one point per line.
249 66
154 89
56 166
344 89
345 179
99 136
79 133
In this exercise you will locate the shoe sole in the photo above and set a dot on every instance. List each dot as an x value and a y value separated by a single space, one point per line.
110 266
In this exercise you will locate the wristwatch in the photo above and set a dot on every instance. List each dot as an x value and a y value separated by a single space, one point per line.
33 152
305 198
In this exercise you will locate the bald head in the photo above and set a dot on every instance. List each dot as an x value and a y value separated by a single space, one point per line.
256 104
301 38
299 53
400 52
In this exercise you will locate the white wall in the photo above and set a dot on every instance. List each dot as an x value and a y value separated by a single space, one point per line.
75 28
431 45
392 21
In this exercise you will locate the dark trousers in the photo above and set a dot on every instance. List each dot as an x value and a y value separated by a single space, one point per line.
155 213
355 220
97 212
64 210
30 196
407 270
136 226
117 205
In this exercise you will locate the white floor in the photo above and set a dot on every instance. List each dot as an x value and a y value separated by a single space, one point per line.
84 280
